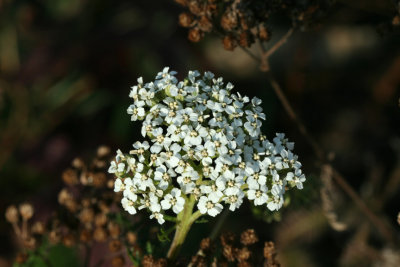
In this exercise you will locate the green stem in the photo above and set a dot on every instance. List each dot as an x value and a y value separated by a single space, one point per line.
185 220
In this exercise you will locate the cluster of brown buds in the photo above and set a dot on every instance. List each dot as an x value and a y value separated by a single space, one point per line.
26 233
242 22
229 251
87 201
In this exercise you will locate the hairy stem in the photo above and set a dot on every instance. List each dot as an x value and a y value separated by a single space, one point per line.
185 220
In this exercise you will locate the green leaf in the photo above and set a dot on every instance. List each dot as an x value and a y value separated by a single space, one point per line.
149 248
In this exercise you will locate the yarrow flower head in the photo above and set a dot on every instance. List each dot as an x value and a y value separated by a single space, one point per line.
204 143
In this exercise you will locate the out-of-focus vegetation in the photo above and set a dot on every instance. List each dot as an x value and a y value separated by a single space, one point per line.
65 72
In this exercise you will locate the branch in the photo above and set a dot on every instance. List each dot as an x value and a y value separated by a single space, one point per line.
266 54
319 152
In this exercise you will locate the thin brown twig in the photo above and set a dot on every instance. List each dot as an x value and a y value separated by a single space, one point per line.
265 54
339 179
279 43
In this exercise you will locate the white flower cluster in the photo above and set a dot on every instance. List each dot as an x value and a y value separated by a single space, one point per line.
205 142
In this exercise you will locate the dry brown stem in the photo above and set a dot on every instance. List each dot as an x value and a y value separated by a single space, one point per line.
378 222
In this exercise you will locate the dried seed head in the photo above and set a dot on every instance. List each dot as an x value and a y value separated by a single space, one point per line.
147 261
245 39
186 19
110 184
248 237
99 164
243 254
205 24
195 35
103 151
114 230
86 215
99 234
229 253
86 202
100 219
269 251
29 243
99 179
228 21
198 261
54 237
263 33
70 177
69 240
246 22
114 245
131 237
102 205
161 263
78 163
227 238
118 261
195 7
26 211
205 244
85 236
229 42
71 205
38 228
244 264
86 178
64 196
12 215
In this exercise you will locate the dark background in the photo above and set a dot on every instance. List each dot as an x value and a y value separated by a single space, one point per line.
66 68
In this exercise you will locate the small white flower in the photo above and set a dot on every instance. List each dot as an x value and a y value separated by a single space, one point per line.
173 200
207 205
234 201
128 205
130 190
155 209
258 193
